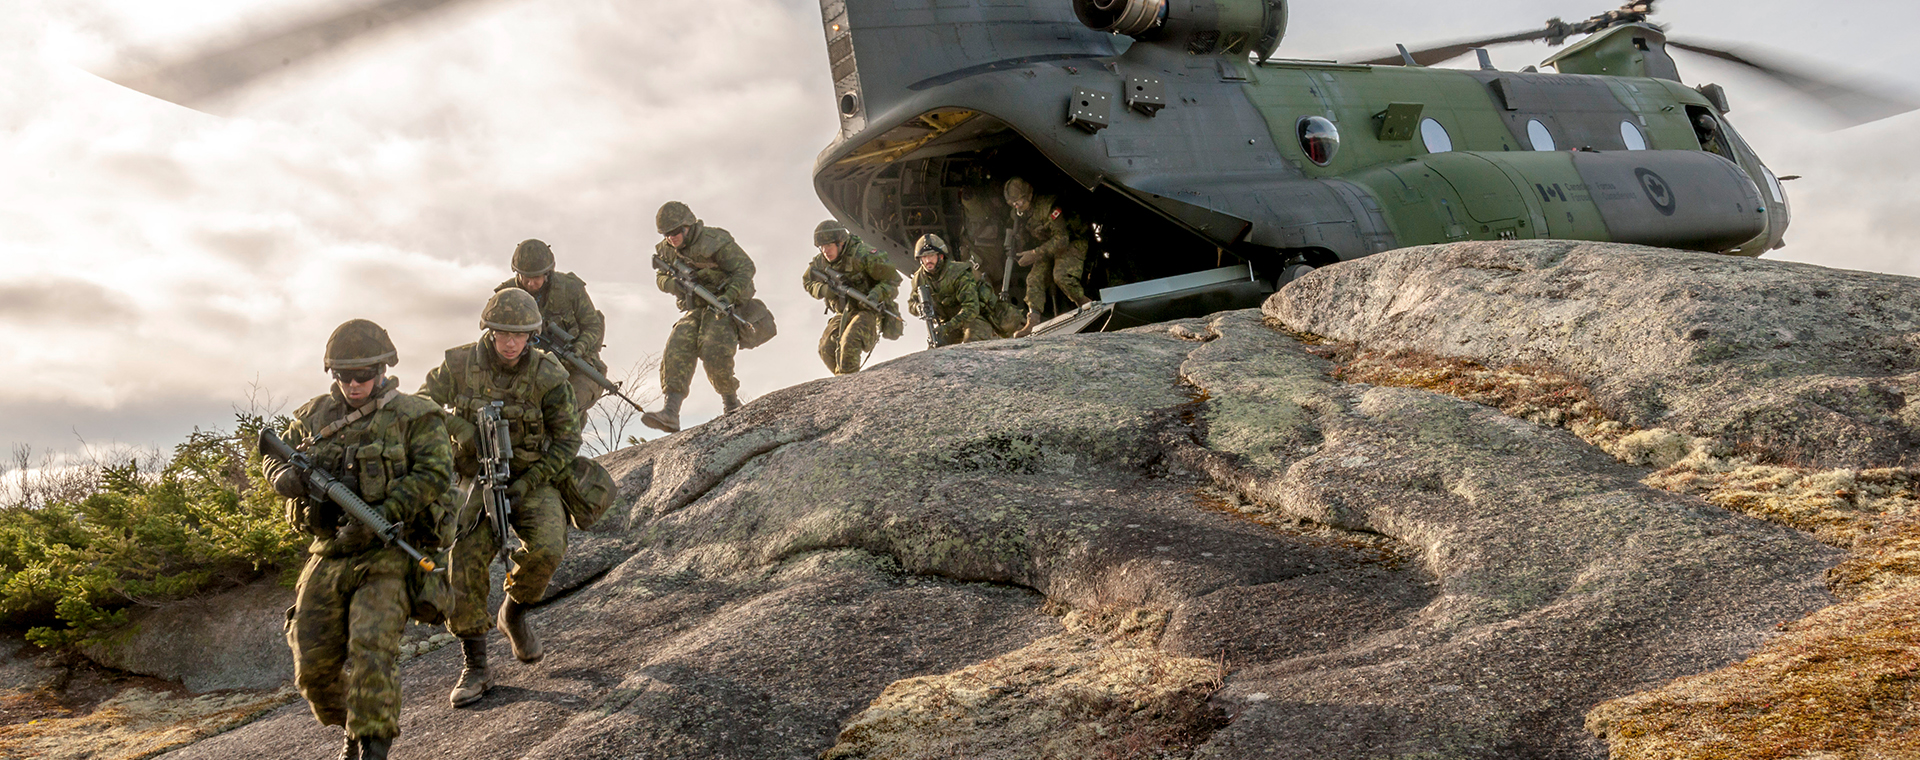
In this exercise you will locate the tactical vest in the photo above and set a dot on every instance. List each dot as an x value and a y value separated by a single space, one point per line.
949 282
474 387
703 255
367 454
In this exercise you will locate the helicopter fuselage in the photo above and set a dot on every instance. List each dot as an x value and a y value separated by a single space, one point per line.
1212 156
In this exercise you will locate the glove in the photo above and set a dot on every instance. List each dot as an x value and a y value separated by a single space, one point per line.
815 289
1028 257
322 518
525 484
289 483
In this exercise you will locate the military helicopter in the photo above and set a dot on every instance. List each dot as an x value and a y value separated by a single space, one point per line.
1214 172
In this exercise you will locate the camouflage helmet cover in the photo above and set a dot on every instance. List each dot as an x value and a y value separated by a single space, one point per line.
672 216
1018 190
830 231
511 310
931 243
359 343
532 258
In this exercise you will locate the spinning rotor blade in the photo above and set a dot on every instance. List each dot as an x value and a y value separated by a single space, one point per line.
1450 51
1853 105
195 80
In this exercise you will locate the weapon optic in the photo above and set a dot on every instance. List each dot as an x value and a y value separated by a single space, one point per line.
320 482
554 339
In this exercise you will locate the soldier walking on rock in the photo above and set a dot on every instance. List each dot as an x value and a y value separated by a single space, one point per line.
564 304
855 327
703 335
537 403
1057 252
956 308
353 600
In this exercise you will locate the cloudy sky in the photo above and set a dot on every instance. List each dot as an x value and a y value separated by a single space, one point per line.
163 265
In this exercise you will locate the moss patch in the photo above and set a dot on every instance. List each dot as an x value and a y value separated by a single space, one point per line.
1841 683
1103 689
135 723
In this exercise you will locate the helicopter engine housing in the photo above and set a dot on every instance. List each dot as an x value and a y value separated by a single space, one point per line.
1201 27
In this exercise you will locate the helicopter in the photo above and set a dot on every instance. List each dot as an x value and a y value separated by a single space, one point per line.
1214 172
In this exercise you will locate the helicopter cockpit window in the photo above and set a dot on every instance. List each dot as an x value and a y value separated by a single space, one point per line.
1538 135
1319 138
1630 135
1435 136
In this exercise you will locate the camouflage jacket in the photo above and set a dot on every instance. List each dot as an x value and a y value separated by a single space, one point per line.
982 215
1049 229
564 303
956 292
539 407
861 268
718 265
397 459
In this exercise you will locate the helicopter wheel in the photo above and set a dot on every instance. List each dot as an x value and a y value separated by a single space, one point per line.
1294 272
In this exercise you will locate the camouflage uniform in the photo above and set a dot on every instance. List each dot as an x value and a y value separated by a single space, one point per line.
703 335
546 436
353 602
854 329
1060 241
983 235
957 306
564 304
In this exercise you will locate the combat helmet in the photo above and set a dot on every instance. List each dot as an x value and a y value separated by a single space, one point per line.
672 216
359 343
830 231
931 243
511 310
532 258
1018 190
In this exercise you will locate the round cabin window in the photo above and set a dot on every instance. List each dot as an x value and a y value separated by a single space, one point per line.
1435 136
1319 139
1538 134
1630 135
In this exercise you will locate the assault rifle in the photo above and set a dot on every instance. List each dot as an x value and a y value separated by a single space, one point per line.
318 481
1013 241
927 306
496 469
838 284
555 340
683 274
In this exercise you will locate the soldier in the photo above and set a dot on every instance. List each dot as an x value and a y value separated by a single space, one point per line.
545 437
564 304
854 328
983 235
702 335
956 293
352 602
1057 249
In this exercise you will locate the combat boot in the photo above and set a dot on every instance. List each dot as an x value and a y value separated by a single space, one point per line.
668 418
474 680
730 403
513 622
375 747
1033 321
352 749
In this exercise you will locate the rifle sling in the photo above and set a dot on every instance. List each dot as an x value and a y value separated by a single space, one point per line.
355 415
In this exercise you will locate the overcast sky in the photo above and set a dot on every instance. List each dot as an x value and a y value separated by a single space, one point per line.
161 265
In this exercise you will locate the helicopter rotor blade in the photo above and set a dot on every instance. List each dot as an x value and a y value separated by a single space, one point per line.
1853 105
203 76
1452 50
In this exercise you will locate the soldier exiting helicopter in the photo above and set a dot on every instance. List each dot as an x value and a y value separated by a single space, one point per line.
848 265
563 304
1053 242
703 335
357 590
958 314
536 401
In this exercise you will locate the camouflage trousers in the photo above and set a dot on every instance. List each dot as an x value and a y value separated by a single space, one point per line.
848 338
540 521
344 630
705 337
1064 270
976 329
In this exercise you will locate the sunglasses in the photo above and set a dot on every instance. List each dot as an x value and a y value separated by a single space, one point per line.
361 375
